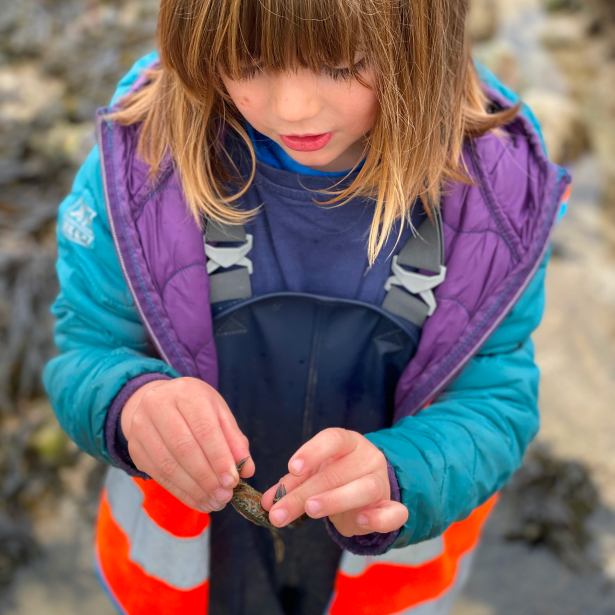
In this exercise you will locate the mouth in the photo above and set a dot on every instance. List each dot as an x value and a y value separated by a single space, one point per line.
306 143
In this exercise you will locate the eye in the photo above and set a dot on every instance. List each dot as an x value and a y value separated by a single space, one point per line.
249 72
343 74
337 74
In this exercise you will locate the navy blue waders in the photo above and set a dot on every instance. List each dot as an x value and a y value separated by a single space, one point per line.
291 365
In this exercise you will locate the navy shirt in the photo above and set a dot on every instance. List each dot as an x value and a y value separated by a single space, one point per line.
301 246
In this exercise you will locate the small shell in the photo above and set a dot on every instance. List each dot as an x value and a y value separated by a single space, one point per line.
247 502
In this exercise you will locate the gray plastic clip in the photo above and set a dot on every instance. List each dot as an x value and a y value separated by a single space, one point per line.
417 283
228 257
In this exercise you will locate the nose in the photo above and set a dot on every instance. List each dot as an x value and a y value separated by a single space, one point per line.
295 97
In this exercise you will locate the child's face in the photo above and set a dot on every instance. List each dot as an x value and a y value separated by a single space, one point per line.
306 103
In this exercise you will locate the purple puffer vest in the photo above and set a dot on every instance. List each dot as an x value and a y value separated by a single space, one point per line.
496 235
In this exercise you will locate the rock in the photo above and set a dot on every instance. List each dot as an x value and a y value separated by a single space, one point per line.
104 40
501 59
605 9
26 27
563 126
483 20
565 31
26 95
28 281
563 5
65 142
49 443
553 499
28 99
17 548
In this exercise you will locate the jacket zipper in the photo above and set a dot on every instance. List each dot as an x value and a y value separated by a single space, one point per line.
438 388
152 335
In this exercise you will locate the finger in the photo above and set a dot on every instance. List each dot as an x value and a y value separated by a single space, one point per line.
356 494
237 442
144 463
386 517
206 430
181 443
329 443
337 474
290 483
319 453
345 524
169 471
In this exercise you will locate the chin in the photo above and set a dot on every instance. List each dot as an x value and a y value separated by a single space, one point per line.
317 158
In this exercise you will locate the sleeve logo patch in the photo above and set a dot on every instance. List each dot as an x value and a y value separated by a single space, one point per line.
77 224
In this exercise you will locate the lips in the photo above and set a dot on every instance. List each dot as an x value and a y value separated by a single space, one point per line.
306 143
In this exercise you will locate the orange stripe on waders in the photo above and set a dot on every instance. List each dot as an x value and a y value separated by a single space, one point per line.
386 589
169 513
137 592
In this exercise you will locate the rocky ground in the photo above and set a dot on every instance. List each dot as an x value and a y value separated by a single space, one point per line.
59 61
550 546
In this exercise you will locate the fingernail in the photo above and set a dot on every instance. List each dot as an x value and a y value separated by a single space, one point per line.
362 520
215 505
296 465
279 515
227 480
222 495
314 507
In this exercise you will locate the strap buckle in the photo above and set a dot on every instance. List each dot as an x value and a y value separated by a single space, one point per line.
416 283
218 256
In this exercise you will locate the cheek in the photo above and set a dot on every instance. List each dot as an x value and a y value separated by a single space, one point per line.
360 111
357 106
241 95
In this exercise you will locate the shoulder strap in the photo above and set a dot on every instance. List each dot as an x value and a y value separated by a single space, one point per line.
234 282
424 251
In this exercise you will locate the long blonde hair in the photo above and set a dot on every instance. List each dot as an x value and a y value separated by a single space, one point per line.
430 97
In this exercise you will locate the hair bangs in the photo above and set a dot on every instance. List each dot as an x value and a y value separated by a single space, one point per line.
282 35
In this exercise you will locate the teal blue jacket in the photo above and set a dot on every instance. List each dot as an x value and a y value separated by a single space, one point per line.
449 455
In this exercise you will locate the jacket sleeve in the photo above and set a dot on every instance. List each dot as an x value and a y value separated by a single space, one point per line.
454 455
103 344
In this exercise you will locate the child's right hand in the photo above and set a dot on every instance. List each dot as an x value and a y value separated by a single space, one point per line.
182 433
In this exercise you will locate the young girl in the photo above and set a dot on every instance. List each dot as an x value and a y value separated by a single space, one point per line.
310 236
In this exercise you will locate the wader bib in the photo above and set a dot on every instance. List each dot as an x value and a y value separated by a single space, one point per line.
292 365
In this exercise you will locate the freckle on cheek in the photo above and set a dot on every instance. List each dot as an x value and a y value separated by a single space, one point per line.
245 100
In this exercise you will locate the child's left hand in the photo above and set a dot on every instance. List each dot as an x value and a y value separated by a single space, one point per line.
341 475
